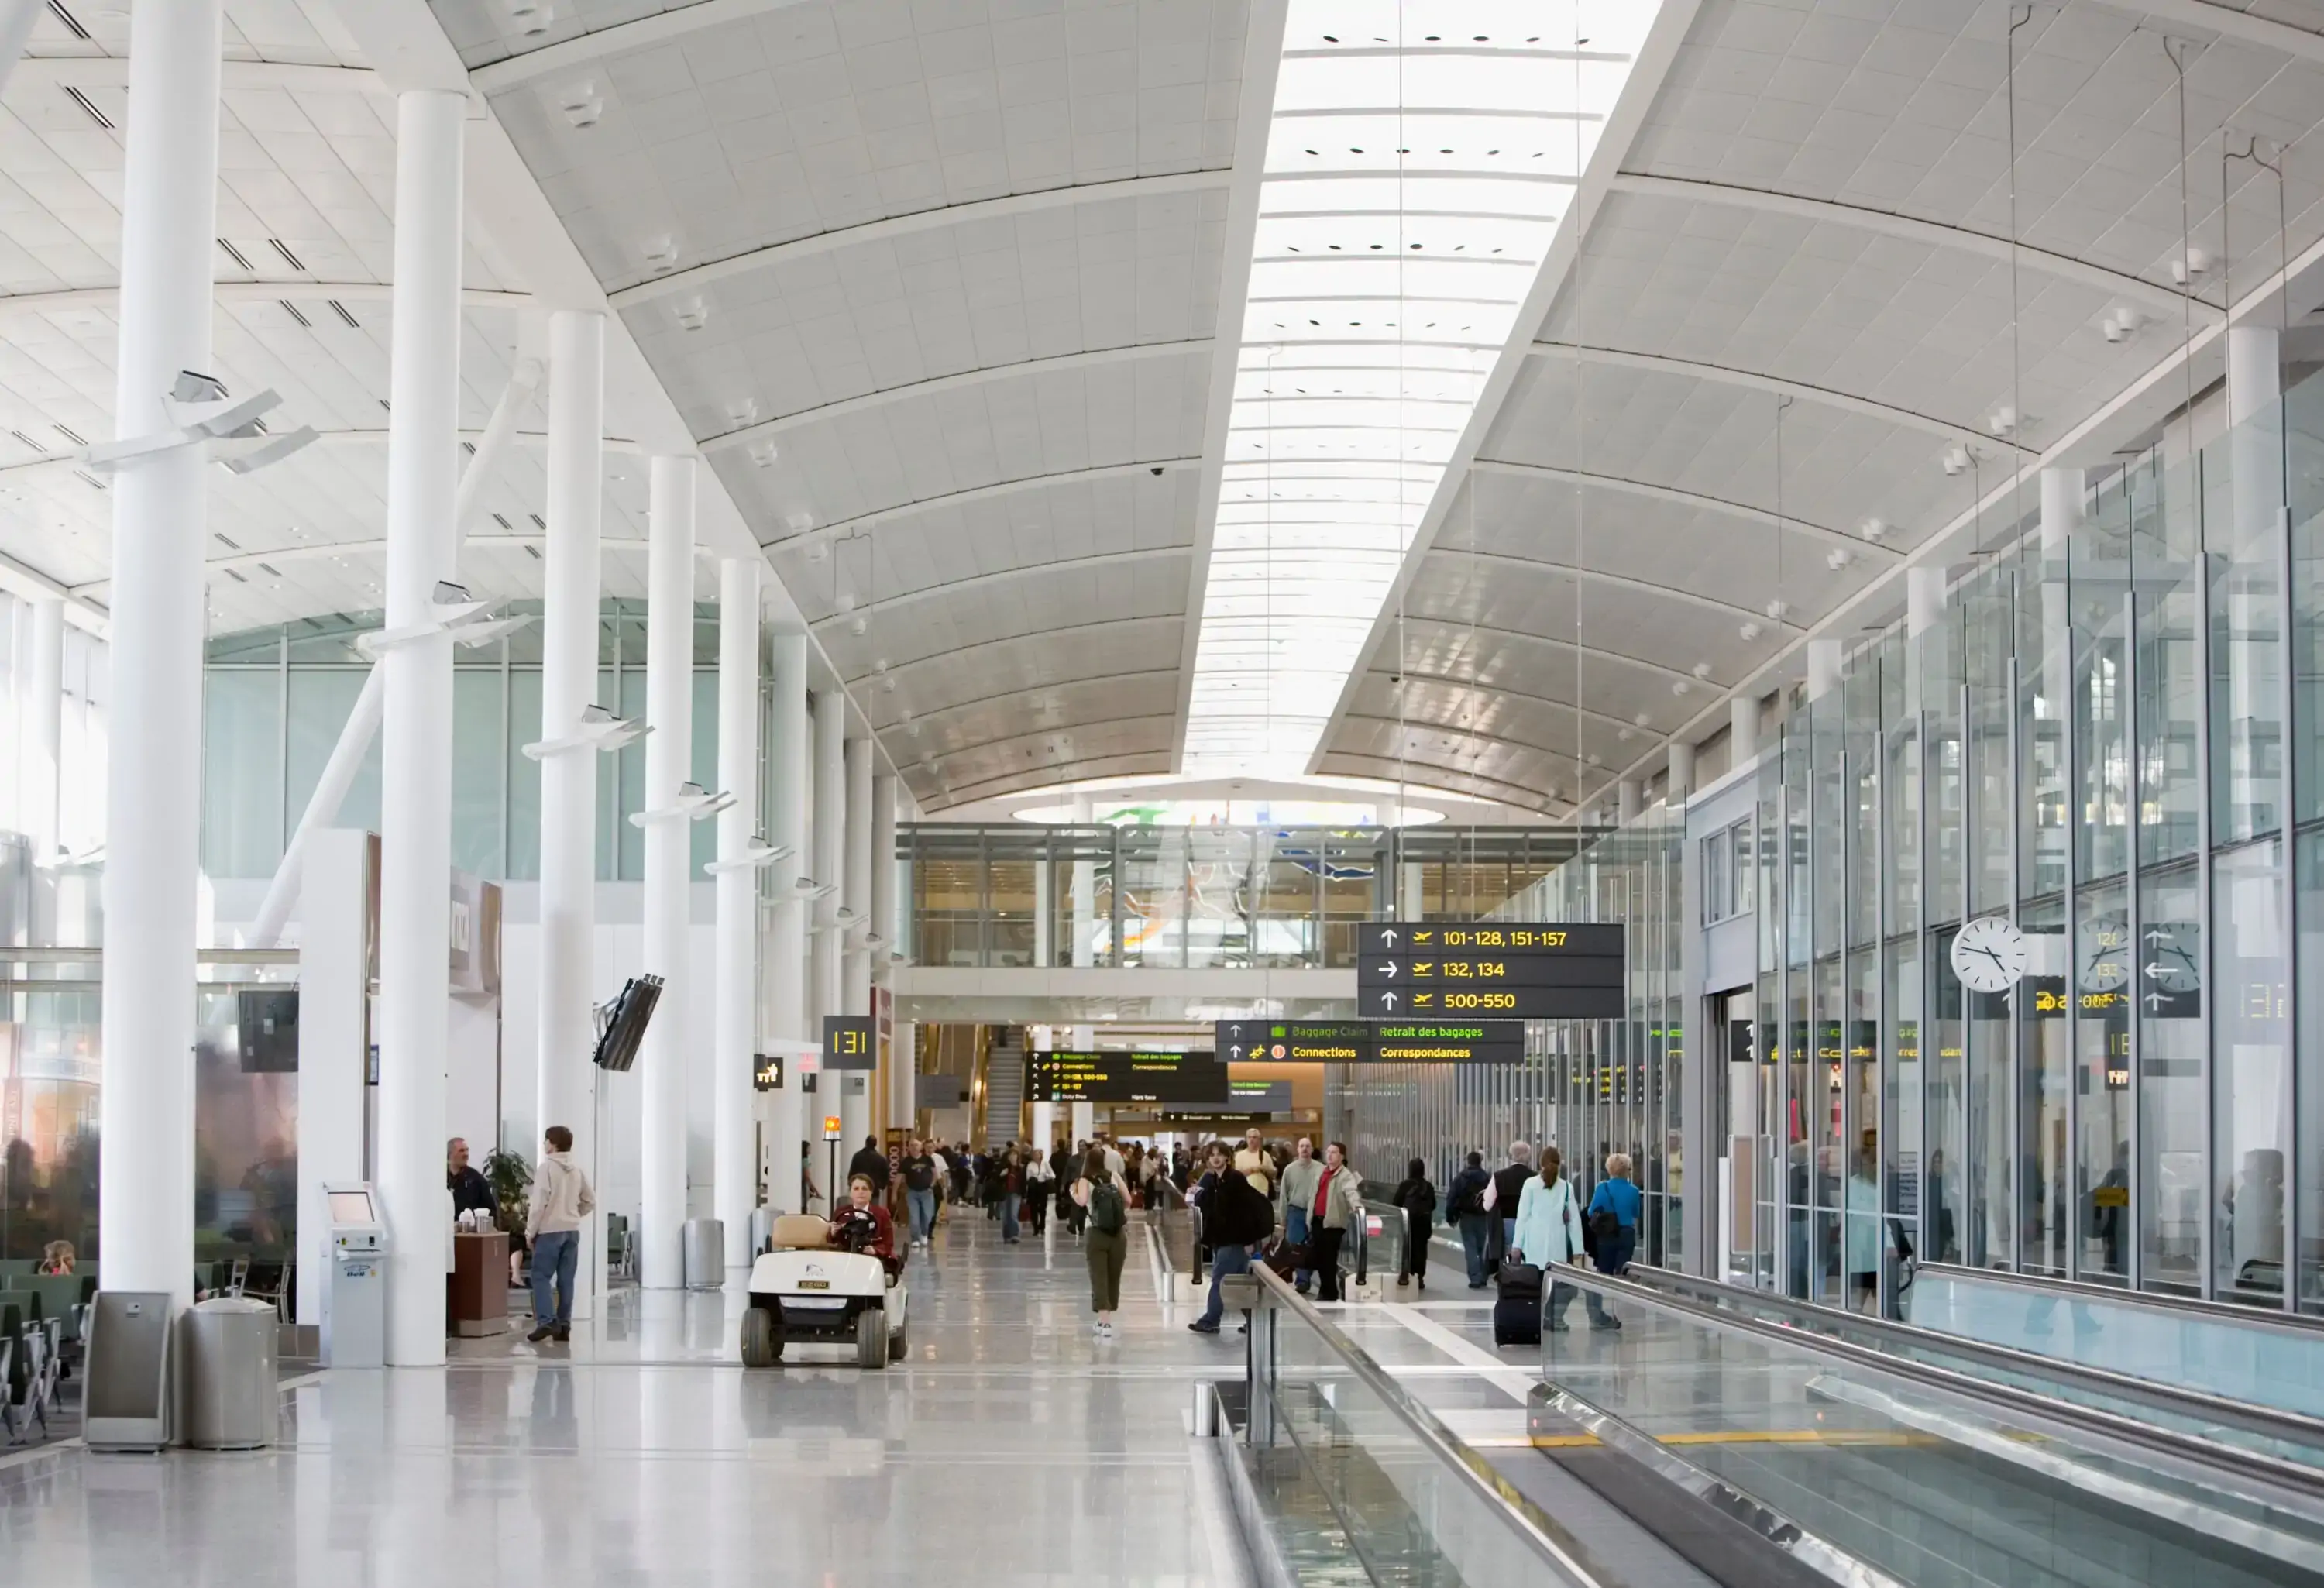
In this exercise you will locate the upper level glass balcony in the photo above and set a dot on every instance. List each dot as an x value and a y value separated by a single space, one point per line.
1198 897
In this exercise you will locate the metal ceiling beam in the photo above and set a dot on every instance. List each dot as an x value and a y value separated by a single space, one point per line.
1032 779
1035 637
2245 26
1005 208
942 753
112 71
1001 576
1928 233
1535 800
1752 380
1656 54
940 385
1022 691
1625 657
1566 571
1677 497
873 520
586 50
1455 681
1414 726
242 294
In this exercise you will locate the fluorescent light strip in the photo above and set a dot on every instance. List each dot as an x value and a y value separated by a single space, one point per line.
1420 158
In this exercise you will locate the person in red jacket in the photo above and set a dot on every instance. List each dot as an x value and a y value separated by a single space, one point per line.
863 1225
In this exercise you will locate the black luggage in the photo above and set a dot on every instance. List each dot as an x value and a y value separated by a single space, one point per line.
1516 1310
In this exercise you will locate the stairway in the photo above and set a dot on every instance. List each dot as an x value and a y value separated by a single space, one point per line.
1004 1088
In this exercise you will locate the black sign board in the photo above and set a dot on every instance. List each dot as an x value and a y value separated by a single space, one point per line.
767 1072
1195 1079
1373 1041
1421 969
849 1043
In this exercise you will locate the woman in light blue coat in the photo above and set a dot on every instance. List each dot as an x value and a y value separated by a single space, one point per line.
1549 1232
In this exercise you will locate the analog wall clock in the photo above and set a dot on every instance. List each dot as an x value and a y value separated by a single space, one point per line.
1989 954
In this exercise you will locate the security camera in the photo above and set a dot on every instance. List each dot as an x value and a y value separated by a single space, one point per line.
1156 471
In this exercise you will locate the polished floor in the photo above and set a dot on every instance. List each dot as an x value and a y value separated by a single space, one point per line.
1012 1447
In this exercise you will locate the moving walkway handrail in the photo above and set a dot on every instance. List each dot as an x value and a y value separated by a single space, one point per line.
2268 1422
1471 1471
2225 1460
2307 1325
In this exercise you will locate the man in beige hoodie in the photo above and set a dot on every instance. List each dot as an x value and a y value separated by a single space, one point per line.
561 1199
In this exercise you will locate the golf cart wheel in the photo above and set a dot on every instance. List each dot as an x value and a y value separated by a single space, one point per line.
871 1338
899 1346
763 1338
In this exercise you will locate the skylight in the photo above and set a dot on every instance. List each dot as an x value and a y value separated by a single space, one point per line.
1421 157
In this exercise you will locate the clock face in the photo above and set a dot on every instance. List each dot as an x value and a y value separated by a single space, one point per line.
1989 956
2105 956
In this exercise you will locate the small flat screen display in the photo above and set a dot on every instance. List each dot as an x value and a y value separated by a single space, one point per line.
351 1208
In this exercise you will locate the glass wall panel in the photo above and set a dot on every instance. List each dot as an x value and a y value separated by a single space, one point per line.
2171 1196
321 698
2250 1073
2101 990
2243 494
242 750
479 770
1948 1221
2045 1076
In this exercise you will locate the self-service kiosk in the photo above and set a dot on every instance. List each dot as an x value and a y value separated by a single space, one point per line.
355 1278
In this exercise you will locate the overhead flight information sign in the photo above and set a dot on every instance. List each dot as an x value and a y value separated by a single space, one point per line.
1379 1041
1421 969
1198 1079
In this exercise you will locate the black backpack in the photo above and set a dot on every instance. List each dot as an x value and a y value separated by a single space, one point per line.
1109 1214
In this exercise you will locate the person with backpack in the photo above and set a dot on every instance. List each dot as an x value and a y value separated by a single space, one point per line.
1102 1196
1339 1204
1549 1232
1464 1205
1613 1219
1417 1197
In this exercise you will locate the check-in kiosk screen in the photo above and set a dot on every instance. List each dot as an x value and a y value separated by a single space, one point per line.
351 1208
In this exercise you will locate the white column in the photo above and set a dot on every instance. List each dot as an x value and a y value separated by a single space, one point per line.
1924 599
736 1025
1823 668
786 945
1626 800
1045 1115
2255 452
159 533
855 976
415 825
16 19
670 846
830 859
45 729
1084 1114
1682 773
895 1104
1742 730
567 1083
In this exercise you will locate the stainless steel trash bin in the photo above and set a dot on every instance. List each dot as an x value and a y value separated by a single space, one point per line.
233 1401
701 1246
763 1228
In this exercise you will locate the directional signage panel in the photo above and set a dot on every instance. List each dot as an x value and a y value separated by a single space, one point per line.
1194 1079
1520 972
1452 1041
849 1043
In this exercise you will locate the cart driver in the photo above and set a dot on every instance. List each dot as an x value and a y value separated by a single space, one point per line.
863 1225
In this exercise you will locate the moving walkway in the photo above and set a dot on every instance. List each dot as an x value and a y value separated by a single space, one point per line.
1729 1438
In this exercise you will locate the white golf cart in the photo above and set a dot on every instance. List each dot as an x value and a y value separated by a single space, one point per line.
803 1289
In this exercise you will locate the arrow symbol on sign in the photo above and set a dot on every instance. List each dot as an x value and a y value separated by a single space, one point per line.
1388 970
2155 999
1236 1051
1387 936
1387 999
2159 971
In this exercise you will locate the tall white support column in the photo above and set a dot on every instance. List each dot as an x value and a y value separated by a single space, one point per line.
787 948
161 509
1682 773
568 1085
895 1104
736 1026
830 860
1742 730
855 974
415 825
45 737
1626 800
669 856
1823 668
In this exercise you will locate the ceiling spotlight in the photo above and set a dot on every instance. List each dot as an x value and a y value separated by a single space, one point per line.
764 455
1838 558
743 411
1640 720
2002 420
799 523
661 252
2183 271
583 104
859 625
1749 631
887 686
1701 669
694 315
1955 460
1626 734
1874 529
1681 686
818 550
1776 608
2121 323
846 600
532 16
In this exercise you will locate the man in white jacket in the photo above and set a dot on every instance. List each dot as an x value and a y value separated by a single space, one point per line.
561 1199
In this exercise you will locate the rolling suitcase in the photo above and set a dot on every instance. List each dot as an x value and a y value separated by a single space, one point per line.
1517 1309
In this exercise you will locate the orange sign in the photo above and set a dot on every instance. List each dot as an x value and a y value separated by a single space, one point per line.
831 1127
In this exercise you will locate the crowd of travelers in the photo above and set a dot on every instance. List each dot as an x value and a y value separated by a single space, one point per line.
1286 1203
